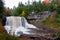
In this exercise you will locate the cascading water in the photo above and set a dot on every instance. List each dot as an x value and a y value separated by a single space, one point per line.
18 26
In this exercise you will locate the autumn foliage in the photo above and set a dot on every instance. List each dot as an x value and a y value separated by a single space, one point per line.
46 1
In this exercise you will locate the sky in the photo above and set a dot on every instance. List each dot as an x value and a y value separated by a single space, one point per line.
12 3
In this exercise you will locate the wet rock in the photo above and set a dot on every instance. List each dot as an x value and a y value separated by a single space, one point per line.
3 20
57 39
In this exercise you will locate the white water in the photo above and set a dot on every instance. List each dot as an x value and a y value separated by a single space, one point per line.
18 26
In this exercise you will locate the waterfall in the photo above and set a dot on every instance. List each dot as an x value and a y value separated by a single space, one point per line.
18 26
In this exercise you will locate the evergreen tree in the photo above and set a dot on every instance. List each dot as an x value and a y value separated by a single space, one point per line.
1 8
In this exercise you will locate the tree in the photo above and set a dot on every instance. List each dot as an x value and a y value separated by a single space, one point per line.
23 14
56 5
1 8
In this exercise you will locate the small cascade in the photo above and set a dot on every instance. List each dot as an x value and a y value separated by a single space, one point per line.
18 26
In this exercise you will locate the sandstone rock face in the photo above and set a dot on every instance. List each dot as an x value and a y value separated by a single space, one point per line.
2 29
